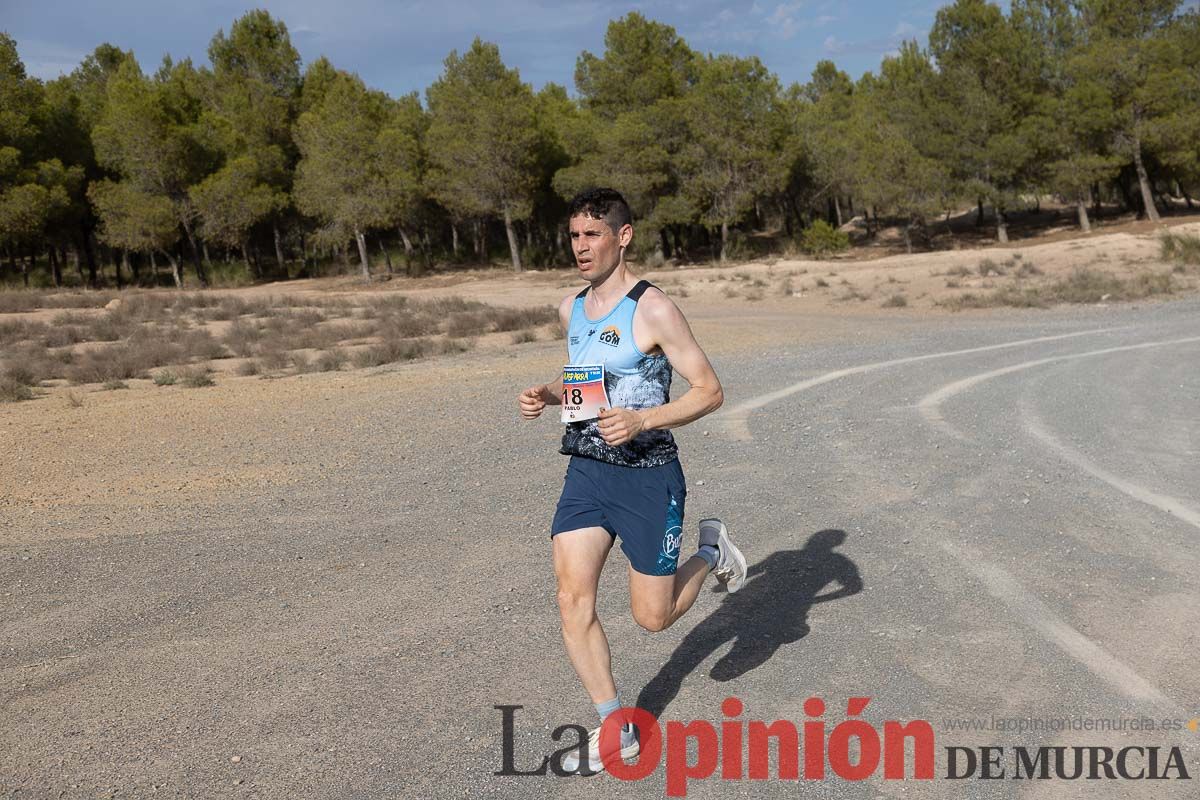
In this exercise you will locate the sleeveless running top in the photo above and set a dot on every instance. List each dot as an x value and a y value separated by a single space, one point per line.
632 379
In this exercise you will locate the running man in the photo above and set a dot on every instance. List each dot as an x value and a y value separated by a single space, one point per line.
624 478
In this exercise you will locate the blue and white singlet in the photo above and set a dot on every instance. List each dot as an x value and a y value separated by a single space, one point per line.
632 379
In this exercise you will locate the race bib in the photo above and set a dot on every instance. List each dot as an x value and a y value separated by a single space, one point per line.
583 392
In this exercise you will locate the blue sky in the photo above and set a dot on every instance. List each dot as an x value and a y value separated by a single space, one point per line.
399 46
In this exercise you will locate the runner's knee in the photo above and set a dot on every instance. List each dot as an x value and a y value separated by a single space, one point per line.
576 606
653 620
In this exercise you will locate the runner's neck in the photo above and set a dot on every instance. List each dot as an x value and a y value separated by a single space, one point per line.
605 295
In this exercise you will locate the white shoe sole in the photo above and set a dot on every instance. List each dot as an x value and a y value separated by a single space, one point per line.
626 753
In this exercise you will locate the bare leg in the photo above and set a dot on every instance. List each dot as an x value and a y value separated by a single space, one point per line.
579 557
658 600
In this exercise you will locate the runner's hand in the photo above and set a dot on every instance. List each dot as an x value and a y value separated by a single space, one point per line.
532 401
619 425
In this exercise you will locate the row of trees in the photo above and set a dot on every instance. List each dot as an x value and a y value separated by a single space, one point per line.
250 155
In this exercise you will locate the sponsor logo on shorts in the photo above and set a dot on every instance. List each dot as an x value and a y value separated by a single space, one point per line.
611 336
671 541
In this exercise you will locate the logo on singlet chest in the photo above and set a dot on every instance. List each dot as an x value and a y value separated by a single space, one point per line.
611 336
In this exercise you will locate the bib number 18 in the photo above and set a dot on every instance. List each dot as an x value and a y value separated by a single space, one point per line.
583 392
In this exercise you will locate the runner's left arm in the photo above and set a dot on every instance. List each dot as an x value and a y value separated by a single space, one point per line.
670 332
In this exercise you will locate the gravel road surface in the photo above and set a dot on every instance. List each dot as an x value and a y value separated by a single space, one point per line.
960 517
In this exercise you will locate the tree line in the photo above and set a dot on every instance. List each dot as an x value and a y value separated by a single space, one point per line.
252 163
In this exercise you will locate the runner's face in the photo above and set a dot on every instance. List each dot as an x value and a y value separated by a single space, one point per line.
597 249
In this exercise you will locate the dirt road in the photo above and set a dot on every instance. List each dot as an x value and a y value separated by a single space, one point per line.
327 599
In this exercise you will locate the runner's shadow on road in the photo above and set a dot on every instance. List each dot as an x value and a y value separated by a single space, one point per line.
770 611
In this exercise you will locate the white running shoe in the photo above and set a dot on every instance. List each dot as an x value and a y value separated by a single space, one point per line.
595 762
731 564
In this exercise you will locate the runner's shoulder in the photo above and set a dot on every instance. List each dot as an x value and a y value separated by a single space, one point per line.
657 308
564 306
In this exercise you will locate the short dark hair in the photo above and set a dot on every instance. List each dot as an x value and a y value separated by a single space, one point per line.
602 203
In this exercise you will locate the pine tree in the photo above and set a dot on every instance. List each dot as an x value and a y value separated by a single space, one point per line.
136 221
252 108
340 179
982 88
632 127
482 140
149 134
735 129
1122 52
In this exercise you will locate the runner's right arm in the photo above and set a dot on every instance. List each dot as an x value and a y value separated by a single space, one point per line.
534 399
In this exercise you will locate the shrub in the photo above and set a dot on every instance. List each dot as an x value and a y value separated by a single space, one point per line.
988 267
63 335
201 344
895 301
822 283
110 363
114 384
1081 286
301 362
822 239
20 331
14 391
197 378
389 352
272 359
524 335
165 378
23 372
1182 248
242 337
332 360
249 367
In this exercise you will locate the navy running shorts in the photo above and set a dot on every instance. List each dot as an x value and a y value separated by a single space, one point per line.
642 505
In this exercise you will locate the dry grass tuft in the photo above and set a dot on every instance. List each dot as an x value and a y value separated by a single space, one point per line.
14 391
1081 286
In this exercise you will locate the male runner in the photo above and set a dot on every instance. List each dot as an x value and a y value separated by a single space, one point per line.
624 477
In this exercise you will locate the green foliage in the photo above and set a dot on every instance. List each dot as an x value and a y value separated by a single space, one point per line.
644 62
735 128
822 239
247 154
340 178
132 219
231 201
483 139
